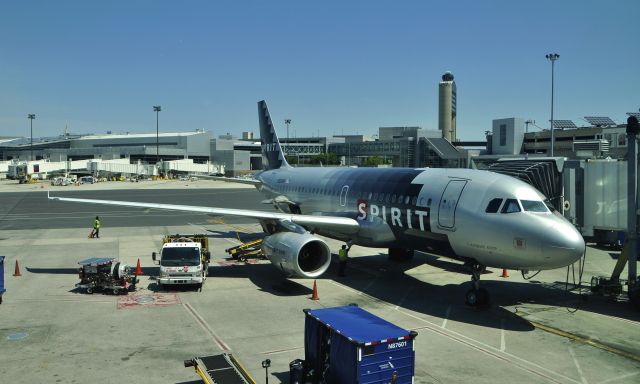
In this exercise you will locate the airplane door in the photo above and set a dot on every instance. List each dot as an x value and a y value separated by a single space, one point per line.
449 202
343 195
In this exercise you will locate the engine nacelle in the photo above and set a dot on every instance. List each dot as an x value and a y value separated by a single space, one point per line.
300 255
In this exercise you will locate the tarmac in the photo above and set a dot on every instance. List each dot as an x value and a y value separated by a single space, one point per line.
535 331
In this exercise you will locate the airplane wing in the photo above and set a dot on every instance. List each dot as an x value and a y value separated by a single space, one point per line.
336 223
240 180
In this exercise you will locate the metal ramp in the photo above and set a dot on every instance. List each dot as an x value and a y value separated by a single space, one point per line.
543 174
220 369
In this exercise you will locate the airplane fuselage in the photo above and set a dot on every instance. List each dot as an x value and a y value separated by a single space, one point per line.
440 211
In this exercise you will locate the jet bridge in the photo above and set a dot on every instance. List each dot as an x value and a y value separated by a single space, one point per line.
545 174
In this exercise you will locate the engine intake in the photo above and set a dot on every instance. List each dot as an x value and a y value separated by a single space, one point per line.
300 255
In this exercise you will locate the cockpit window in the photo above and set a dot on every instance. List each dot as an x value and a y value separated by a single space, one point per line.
533 206
511 206
493 206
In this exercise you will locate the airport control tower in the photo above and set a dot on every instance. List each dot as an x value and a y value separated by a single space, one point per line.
447 107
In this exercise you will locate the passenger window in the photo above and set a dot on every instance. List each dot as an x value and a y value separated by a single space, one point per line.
393 199
414 200
511 206
370 194
406 200
533 206
493 206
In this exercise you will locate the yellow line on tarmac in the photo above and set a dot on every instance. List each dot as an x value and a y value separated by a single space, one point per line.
584 340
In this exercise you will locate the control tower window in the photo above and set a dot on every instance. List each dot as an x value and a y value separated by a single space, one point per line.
493 206
511 206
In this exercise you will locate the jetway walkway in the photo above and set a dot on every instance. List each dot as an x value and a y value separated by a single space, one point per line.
544 174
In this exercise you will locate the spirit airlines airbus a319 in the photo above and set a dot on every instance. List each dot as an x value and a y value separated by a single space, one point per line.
483 218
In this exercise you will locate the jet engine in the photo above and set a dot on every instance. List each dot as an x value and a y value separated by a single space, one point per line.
300 255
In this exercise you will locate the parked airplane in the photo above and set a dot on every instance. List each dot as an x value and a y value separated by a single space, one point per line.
484 218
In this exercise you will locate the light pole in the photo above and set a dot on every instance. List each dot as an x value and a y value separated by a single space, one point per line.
157 109
552 57
31 116
287 122
266 364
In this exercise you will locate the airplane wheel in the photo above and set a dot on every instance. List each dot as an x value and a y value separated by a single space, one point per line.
635 298
472 298
483 296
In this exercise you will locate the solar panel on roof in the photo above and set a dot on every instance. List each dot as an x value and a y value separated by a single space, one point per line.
562 124
599 121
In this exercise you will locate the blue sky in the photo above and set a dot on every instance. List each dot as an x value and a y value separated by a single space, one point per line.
331 66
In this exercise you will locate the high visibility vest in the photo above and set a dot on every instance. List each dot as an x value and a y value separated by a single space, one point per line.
96 225
342 253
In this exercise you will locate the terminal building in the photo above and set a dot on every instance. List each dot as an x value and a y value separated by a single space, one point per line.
144 147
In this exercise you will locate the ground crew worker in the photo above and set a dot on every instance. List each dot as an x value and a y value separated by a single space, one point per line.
343 256
96 228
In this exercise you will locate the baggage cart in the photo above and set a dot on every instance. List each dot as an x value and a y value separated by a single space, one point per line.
348 345
106 274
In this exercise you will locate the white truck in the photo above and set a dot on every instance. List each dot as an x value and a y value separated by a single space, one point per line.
184 260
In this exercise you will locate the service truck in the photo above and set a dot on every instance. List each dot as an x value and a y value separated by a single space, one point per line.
184 260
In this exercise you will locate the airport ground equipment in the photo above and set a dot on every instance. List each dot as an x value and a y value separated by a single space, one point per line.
614 286
106 274
2 290
184 260
220 369
248 250
345 345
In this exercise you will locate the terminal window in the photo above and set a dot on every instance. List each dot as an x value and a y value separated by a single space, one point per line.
503 135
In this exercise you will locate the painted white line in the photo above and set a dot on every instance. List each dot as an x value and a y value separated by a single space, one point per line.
278 351
625 376
502 343
575 361
216 339
365 289
519 362
404 297
446 317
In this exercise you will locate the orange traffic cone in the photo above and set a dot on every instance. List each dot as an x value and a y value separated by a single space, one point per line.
17 271
138 269
314 295
505 273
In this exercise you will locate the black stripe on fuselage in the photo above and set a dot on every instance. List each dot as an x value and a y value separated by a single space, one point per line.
390 188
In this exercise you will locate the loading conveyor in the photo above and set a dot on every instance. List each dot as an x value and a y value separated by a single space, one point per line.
220 369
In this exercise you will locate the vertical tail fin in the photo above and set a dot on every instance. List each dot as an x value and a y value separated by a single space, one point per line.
272 154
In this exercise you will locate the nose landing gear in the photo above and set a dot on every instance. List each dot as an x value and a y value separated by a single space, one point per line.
477 296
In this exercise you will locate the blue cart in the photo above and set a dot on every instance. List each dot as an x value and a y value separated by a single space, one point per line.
348 345
2 290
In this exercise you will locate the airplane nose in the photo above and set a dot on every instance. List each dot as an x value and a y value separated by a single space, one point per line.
564 245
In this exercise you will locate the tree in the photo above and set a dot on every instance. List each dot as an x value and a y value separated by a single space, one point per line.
325 159
373 161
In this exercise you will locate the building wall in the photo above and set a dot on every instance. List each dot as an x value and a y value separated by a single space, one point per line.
508 136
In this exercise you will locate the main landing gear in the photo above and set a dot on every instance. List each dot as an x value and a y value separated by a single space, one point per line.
477 296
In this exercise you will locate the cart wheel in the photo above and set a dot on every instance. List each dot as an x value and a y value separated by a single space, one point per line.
116 291
90 290
242 259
